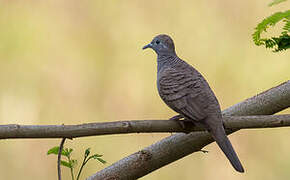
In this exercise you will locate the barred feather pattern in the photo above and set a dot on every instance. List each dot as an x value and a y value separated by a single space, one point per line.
184 90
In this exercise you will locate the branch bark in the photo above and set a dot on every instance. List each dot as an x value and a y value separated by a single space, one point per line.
137 126
179 145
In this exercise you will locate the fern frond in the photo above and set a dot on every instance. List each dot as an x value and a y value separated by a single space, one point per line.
287 25
283 41
276 2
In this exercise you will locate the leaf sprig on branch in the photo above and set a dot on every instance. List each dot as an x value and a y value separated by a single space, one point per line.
71 163
282 42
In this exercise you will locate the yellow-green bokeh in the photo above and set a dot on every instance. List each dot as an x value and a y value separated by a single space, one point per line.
69 62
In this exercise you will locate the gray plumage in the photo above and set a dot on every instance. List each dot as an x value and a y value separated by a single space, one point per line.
186 91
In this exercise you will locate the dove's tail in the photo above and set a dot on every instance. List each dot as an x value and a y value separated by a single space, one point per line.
224 143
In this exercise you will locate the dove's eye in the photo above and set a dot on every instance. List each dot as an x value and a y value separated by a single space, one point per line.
157 42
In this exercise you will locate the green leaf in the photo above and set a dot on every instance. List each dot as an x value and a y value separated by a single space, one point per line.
276 2
101 160
53 150
66 164
67 152
96 156
87 152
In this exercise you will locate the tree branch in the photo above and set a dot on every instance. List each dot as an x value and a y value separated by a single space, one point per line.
179 145
268 102
137 126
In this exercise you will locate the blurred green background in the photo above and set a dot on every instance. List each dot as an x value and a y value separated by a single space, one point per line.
81 61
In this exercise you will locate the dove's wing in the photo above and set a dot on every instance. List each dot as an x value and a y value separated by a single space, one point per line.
183 92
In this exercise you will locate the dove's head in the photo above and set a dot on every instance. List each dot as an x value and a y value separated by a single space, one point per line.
162 44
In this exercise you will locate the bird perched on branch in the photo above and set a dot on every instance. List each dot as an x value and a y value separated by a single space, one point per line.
186 91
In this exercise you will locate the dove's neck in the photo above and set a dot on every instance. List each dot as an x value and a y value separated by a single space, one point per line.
167 60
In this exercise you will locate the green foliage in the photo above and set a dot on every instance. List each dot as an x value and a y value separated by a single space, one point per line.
53 150
65 151
276 2
282 42
279 43
71 163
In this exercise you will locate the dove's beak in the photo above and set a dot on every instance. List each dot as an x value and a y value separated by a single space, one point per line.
147 46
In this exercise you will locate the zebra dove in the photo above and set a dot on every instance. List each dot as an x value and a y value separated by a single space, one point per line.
186 91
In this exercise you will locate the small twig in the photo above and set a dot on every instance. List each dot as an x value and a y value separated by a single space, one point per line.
85 160
59 158
203 151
